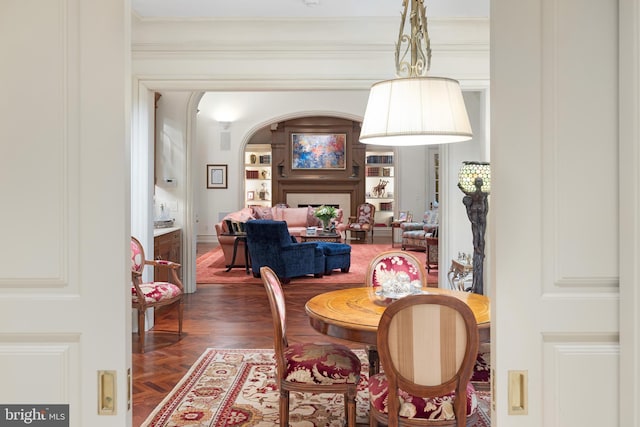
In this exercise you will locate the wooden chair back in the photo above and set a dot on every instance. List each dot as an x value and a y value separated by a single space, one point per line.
427 346
387 265
275 294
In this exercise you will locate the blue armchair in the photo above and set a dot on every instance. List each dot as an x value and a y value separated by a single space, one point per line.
270 244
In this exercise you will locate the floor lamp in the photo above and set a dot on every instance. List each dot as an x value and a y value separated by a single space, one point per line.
474 179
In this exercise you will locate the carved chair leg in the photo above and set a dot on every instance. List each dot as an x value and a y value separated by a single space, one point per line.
141 315
284 408
180 315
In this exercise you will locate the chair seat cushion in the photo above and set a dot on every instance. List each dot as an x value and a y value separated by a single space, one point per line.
415 234
321 364
363 227
156 291
437 408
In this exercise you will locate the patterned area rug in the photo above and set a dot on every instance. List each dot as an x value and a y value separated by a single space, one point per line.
237 388
210 268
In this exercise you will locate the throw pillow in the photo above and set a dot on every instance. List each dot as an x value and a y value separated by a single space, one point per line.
262 212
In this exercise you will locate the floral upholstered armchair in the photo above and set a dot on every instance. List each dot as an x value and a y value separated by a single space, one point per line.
362 223
146 295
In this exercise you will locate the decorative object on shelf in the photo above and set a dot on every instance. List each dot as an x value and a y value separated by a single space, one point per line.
265 174
474 179
318 151
251 195
264 194
326 214
216 176
379 190
414 109
253 158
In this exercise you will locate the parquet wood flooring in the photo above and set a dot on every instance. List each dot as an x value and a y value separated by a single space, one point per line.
218 316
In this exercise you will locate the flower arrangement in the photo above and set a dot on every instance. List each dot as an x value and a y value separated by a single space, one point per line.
326 214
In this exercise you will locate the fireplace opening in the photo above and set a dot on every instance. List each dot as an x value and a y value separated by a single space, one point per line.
317 205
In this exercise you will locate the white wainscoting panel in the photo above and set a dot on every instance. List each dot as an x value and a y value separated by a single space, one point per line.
581 383
41 370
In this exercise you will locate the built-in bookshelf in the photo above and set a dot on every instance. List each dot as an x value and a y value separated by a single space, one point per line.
257 175
380 184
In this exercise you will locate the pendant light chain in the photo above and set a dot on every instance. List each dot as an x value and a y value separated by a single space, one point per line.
413 50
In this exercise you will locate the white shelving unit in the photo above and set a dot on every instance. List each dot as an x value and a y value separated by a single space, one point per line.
380 184
257 175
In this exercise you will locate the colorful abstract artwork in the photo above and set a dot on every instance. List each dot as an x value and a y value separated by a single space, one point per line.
318 151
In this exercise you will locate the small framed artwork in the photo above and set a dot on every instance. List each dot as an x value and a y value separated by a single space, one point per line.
403 216
216 176
318 150
251 195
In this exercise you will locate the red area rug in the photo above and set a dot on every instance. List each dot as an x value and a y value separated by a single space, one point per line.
237 388
210 268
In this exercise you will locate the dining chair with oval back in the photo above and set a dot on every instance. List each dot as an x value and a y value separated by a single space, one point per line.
309 367
389 267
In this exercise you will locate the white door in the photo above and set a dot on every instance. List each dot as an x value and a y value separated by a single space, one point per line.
556 144
64 257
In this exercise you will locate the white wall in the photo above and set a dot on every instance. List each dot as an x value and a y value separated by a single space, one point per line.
459 232
171 151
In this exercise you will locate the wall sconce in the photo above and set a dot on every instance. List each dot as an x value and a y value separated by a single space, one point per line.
474 179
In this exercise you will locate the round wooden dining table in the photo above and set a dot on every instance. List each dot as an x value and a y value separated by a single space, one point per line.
353 314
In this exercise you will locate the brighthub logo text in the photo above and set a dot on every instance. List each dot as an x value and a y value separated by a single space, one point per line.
35 415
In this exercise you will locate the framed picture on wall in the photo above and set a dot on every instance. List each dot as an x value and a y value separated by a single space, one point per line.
216 176
318 150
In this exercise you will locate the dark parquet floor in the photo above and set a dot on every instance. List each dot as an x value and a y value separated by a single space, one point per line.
217 316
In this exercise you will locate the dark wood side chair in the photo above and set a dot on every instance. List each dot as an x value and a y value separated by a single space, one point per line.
307 367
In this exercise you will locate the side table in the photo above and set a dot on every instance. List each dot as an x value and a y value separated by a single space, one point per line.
458 272
394 225
239 237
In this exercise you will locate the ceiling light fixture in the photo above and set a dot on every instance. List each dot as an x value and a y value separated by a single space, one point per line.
415 109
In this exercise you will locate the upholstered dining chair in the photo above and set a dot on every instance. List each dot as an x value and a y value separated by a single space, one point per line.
306 367
153 294
387 266
428 346
362 222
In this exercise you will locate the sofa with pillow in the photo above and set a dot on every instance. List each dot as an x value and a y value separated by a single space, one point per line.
297 219
414 234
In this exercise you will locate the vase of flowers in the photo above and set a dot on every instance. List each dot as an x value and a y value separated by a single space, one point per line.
326 214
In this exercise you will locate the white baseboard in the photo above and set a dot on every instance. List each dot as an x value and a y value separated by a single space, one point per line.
207 238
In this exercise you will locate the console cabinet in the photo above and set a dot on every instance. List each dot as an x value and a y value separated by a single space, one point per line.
167 245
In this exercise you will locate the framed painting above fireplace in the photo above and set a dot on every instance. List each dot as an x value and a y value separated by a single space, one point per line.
318 151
